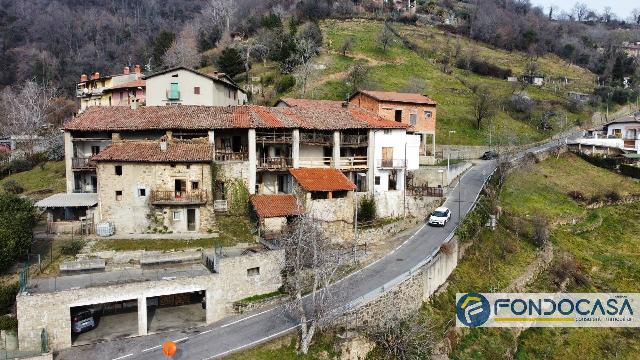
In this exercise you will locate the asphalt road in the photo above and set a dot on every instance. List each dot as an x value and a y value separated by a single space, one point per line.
241 332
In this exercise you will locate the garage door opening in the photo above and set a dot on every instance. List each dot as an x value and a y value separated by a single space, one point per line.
176 311
102 322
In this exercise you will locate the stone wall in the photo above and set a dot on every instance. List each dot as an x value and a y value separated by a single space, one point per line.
405 298
51 310
430 176
130 213
467 152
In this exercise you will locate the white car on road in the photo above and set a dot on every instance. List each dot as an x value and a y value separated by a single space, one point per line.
440 216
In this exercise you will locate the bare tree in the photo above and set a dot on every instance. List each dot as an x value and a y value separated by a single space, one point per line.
483 105
347 45
552 9
357 76
411 338
183 50
306 49
252 49
219 12
385 37
310 267
27 108
635 16
607 14
580 11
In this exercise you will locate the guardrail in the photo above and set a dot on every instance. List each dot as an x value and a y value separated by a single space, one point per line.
178 197
79 163
274 163
353 162
391 163
320 161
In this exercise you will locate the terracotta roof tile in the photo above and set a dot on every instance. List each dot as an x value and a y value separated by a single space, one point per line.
191 117
130 84
306 102
128 151
398 97
268 206
322 179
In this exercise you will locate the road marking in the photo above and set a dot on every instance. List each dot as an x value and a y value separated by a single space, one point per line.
179 340
152 348
206 332
252 343
246 318
122 357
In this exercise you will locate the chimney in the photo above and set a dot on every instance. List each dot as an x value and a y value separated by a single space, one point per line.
163 145
125 70
134 104
345 104
169 135
96 75
138 70
84 77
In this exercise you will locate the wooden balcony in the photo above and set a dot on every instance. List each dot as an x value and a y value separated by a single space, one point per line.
169 197
316 162
391 164
228 155
82 163
630 143
354 140
274 163
353 163
274 137
314 138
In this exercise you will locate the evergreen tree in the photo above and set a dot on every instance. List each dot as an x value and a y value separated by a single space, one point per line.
230 62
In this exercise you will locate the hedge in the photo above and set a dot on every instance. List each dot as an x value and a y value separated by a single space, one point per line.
632 171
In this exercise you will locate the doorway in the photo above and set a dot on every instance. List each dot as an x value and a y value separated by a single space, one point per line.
191 219
180 187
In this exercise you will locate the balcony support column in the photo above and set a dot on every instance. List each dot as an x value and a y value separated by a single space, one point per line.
295 151
252 161
336 149
68 160
371 162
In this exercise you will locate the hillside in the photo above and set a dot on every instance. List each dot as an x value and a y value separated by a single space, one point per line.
401 69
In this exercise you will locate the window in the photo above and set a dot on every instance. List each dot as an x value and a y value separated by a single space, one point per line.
427 114
188 166
177 215
118 195
142 192
387 131
399 115
119 170
174 92
253 271
196 90
377 180
413 119
95 150
195 185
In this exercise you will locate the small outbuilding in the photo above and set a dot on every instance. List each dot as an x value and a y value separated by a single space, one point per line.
274 212
69 212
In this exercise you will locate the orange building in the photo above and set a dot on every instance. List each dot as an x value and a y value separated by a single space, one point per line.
416 110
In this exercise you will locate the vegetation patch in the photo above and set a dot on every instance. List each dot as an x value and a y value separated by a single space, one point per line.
41 181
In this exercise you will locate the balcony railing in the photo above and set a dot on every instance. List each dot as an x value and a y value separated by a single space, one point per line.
274 163
354 140
353 162
391 163
273 137
173 94
313 138
82 163
168 197
314 162
228 155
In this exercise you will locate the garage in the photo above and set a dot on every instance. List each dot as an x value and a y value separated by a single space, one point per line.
176 311
102 322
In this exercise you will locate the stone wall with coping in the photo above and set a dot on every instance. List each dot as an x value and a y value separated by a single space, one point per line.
51 311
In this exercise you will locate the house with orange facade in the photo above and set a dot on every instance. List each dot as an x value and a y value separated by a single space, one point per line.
416 110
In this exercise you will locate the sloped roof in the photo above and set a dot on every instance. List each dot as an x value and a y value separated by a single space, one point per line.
130 84
69 200
631 118
392 96
268 206
128 151
194 117
213 76
322 179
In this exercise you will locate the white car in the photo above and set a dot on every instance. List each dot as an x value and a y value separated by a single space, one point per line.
440 216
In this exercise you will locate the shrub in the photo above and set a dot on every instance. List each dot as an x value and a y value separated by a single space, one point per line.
17 220
566 268
367 209
8 294
412 338
8 322
595 198
612 196
285 84
73 247
12 187
576 195
484 68
16 166
632 171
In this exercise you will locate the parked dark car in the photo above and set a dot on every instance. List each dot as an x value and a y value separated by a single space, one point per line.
489 155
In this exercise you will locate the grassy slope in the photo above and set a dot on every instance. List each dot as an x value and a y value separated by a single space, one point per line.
39 183
399 67
604 242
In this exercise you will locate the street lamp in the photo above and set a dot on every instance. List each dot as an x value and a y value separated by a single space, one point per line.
441 171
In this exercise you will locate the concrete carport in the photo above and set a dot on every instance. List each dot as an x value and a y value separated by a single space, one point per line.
112 321
175 311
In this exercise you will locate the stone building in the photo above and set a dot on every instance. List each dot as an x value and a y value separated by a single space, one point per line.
155 186
274 212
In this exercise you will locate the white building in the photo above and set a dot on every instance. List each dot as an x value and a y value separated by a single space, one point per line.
622 134
185 86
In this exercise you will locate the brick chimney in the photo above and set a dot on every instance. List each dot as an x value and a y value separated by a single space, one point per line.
138 70
84 77
125 70
163 145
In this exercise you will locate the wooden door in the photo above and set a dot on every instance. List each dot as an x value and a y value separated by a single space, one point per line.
387 156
